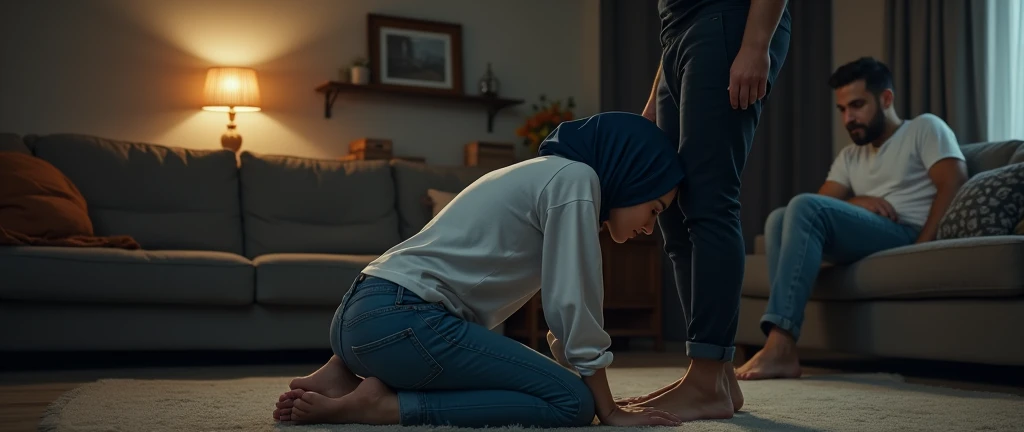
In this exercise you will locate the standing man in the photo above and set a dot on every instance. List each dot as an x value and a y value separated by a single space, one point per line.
719 61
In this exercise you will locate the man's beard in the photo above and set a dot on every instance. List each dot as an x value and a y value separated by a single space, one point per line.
872 130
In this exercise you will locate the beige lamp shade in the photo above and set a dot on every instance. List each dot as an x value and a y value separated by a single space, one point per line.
231 88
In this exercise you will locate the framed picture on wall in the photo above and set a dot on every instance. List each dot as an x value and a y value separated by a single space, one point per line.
415 54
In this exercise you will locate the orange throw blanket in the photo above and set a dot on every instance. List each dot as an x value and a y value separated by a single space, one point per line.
39 206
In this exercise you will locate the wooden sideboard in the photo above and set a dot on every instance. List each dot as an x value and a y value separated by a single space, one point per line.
632 296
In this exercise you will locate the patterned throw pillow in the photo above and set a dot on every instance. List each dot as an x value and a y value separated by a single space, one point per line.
989 204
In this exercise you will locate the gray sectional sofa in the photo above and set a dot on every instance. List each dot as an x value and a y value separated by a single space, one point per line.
950 300
252 252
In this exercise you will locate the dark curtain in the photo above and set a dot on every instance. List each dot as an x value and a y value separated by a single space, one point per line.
793 145
936 50
630 53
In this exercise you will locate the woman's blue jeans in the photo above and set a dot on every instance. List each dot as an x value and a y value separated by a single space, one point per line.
448 371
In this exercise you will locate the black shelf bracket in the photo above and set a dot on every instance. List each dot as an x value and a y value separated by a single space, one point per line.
329 97
491 112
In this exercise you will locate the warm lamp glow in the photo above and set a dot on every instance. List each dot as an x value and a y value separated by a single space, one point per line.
230 88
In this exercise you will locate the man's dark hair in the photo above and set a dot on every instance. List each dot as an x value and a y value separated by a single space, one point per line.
875 74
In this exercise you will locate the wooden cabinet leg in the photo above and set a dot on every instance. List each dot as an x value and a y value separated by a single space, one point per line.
742 353
533 333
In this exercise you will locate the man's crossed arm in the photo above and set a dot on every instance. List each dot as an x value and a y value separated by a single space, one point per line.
948 175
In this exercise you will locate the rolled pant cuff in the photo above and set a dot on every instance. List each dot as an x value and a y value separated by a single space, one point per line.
696 350
410 408
772 320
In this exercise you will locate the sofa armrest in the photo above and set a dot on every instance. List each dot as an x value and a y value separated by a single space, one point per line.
759 248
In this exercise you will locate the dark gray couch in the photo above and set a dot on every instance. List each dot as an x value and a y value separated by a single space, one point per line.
247 254
952 300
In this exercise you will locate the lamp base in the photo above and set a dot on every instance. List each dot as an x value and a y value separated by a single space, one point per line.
231 140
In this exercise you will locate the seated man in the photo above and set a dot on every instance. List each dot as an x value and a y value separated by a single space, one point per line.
889 189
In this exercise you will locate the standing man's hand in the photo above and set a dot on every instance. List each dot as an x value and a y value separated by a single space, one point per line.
651 111
748 78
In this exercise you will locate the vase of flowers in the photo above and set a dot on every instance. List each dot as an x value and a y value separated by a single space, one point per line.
546 116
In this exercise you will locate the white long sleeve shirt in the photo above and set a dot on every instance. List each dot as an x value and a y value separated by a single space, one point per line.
533 226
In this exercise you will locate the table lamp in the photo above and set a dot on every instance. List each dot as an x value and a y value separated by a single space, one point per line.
231 90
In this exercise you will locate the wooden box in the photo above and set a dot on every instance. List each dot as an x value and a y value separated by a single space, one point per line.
490 155
370 145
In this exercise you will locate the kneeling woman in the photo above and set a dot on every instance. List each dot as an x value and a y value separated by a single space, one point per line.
415 325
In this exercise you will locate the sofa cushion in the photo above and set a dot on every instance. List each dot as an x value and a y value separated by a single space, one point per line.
990 203
306 279
990 155
103 275
12 143
300 205
412 181
163 197
960 268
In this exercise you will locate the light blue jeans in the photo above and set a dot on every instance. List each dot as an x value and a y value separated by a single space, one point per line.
448 371
813 228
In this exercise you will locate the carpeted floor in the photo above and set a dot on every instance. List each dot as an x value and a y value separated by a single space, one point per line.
860 402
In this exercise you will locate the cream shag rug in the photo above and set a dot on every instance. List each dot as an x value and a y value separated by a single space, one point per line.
836 403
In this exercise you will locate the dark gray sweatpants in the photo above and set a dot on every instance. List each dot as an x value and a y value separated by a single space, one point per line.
702 231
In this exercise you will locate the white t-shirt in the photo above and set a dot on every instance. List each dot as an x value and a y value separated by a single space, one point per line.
898 170
516 231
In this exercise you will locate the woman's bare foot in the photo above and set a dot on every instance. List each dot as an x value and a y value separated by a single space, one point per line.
558 351
778 359
371 403
333 380
702 394
283 410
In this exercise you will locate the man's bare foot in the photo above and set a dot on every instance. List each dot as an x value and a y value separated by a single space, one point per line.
637 400
558 351
735 393
371 403
778 359
333 380
703 394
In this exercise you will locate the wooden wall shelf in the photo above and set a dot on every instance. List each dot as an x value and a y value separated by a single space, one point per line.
493 105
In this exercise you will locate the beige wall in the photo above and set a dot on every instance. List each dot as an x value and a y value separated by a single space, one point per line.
857 31
134 69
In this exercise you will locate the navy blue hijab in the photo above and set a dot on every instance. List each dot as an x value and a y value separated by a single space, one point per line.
634 159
